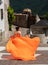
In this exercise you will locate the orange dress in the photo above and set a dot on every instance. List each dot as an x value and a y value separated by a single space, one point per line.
23 48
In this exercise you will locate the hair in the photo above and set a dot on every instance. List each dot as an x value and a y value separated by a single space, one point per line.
17 28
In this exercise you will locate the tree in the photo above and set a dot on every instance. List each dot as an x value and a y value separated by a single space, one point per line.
11 17
46 15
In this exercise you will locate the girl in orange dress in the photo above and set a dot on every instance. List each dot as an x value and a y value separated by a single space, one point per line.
23 48
18 32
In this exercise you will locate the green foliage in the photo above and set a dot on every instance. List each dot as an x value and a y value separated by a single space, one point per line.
46 15
37 6
11 16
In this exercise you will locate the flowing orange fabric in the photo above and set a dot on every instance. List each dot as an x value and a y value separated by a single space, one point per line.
23 48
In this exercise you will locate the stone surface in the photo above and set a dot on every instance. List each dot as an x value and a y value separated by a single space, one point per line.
40 59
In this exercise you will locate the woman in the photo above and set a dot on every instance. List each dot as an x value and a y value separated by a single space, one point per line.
23 48
17 33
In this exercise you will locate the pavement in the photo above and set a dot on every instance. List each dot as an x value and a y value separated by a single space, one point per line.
41 57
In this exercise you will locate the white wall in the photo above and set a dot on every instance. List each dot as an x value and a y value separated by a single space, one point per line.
2 21
2 25
2 5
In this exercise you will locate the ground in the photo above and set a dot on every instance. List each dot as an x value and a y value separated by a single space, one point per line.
41 57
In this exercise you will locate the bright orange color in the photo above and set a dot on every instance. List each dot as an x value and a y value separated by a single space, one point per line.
23 48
